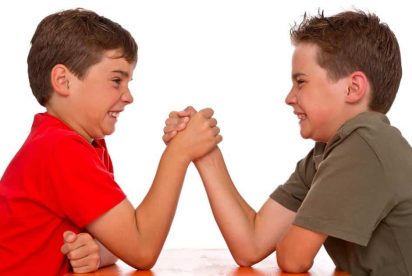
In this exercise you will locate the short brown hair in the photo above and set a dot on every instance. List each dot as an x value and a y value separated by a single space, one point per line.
76 38
352 41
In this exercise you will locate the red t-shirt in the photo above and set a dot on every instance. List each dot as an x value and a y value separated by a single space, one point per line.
56 182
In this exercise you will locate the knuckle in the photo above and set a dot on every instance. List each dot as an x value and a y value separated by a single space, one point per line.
95 247
64 248
83 237
71 255
95 258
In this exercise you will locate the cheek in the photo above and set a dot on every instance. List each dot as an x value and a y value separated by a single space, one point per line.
318 108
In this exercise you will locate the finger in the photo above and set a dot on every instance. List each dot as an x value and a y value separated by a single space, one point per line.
172 120
69 236
188 111
83 251
173 114
183 123
174 128
216 131
65 248
207 112
175 124
83 238
83 269
191 110
219 139
212 122
83 245
77 253
90 260
183 113
168 137
169 128
176 120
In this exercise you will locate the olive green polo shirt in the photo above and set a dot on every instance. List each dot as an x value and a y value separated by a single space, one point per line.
357 189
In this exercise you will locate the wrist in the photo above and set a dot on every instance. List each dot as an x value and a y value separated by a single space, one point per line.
178 155
209 159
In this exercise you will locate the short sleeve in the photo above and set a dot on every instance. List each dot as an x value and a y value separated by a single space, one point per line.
292 193
84 187
348 197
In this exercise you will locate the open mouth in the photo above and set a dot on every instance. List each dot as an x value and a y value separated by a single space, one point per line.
114 114
301 116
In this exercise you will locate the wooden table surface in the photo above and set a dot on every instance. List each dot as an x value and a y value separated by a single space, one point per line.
213 262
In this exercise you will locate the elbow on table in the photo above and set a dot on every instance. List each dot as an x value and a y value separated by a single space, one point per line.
246 259
144 261
243 262
293 265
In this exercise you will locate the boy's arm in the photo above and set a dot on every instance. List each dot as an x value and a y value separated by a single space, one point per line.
250 236
298 248
137 236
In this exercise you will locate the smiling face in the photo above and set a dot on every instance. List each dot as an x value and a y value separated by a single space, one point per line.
318 101
96 100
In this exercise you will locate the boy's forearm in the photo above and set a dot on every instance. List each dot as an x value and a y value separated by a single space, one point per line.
213 171
233 215
155 214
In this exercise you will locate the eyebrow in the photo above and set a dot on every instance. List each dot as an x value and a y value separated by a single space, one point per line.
296 75
123 73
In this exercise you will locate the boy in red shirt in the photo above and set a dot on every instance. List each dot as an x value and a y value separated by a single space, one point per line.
79 66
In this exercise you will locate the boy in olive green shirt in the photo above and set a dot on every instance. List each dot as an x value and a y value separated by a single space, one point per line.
353 192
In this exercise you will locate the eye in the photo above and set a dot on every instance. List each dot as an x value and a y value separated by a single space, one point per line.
117 82
300 82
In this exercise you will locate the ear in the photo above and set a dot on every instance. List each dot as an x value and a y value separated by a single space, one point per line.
60 79
357 87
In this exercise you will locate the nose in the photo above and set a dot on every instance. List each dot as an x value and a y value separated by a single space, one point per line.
127 96
291 97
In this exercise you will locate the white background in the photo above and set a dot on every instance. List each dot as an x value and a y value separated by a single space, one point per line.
233 56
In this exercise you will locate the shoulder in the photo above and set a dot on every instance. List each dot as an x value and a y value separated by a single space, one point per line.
51 138
373 127
369 150
61 141
371 131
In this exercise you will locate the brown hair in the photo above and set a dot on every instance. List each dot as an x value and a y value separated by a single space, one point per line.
352 41
76 38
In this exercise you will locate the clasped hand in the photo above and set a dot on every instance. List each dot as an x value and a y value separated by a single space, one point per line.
197 124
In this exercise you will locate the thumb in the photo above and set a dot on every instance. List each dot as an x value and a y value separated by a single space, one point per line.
188 111
191 110
69 236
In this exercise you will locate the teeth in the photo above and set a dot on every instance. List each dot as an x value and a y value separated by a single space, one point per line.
301 116
114 114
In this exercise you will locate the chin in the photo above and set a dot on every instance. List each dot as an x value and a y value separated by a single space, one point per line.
304 135
109 132
107 129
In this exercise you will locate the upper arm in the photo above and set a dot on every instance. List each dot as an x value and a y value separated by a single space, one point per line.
279 211
117 230
297 250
